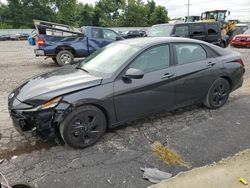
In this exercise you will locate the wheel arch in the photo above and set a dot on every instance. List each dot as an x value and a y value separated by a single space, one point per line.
100 107
229 81
65 47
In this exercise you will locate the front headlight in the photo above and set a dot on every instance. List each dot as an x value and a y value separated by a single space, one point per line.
51 103
48 104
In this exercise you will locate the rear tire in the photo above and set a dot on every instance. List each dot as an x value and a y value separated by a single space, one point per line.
64 57
83 127
217 94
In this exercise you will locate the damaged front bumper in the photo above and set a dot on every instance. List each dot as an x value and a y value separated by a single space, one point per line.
42 119
39 122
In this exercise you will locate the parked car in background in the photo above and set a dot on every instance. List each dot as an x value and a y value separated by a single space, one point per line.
124 81
62 42
4 37
242 40
206 31
17 36
143 33
132 34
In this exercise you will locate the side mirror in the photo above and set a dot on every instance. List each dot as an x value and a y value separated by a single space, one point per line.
134 73
118 38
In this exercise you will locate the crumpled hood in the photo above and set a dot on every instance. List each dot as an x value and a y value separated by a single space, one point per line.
55 83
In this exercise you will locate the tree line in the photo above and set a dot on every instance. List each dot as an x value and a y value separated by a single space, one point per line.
107 13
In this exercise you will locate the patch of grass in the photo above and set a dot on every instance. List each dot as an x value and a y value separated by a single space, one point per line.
168 156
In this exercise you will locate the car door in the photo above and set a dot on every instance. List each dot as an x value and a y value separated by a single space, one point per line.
212 32
193 72
198 31
135 97
96 40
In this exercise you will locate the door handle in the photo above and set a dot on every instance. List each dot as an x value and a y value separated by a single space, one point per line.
168 75
210 64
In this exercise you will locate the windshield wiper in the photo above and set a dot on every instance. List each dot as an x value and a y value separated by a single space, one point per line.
80 68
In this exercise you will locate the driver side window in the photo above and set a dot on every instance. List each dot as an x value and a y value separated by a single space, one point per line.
153 59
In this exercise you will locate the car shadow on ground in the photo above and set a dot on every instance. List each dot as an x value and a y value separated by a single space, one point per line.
37 144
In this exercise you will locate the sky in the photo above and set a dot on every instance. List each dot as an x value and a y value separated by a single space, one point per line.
239 9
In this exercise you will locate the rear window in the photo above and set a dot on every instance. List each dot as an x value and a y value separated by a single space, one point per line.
97 33
188 53
182 31
198 29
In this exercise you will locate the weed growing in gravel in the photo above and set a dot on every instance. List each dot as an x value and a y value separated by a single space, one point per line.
168 156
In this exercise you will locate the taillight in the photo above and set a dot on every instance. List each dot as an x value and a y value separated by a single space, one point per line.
40 41
240 62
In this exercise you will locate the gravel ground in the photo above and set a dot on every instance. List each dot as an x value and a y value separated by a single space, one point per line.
200 135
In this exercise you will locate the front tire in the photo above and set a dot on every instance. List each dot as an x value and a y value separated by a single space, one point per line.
223 44
83 127
217 94
64 57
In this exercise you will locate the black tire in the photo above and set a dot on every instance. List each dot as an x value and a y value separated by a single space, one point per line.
217 94
83 127
223 44
64 57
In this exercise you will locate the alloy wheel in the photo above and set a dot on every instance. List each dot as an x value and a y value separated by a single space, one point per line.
65 58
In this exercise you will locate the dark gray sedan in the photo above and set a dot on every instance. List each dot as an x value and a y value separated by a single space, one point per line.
121 82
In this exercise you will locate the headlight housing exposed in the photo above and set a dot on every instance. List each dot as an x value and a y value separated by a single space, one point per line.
48 104
51 103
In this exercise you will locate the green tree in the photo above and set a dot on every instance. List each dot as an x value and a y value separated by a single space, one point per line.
19 13
84 14
160 15
107 12
150 6
66 11
135 14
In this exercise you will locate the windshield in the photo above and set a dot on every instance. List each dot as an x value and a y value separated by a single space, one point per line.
247 31
107 60
221 16
161 30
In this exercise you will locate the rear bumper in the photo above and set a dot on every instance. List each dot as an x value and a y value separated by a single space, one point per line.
39 52
238 84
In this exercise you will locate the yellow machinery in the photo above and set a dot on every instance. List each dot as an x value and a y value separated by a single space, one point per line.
227 28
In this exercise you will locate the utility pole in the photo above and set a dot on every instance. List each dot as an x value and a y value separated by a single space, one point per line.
188 4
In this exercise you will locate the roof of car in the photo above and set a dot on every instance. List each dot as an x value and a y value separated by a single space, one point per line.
243 25
181 23
148 41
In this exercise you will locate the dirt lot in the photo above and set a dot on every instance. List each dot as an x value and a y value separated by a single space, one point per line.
200 135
